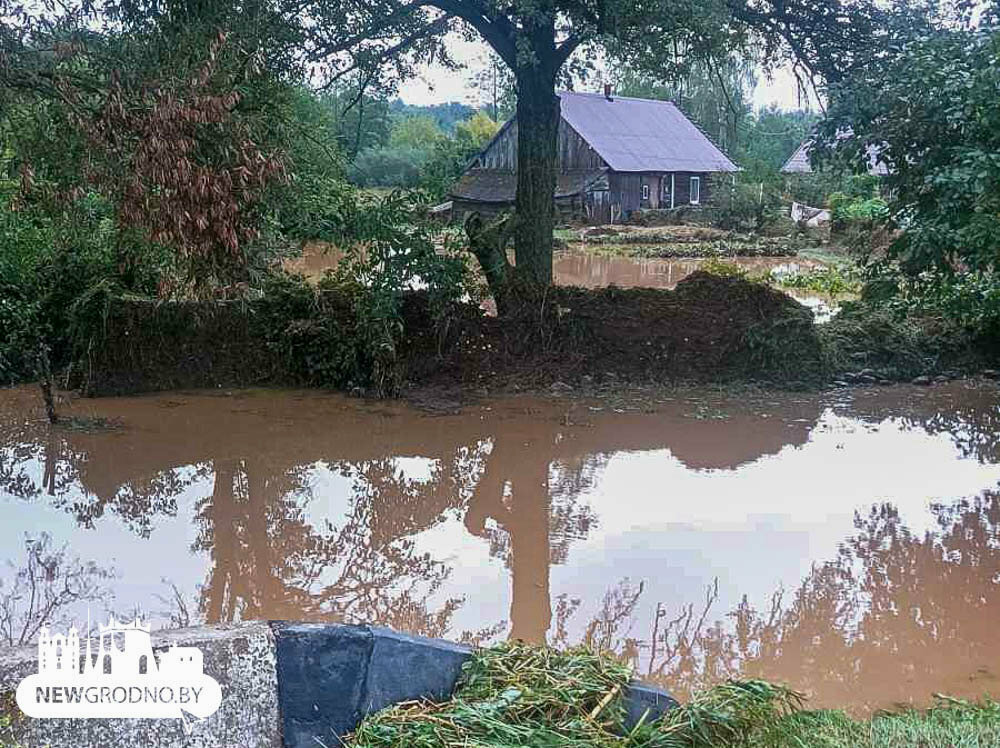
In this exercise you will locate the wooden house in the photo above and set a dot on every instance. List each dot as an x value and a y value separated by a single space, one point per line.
616 155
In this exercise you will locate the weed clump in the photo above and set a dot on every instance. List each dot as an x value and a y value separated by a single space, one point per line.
900 347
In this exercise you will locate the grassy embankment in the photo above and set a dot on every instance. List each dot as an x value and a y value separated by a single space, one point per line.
515 695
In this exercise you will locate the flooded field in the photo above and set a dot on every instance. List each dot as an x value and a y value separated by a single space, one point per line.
594 270
847 543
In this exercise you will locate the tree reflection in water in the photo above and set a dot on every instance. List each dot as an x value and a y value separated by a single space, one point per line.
892 616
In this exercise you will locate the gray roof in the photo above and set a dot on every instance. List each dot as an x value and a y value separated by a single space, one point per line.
641 134
798 162
495 186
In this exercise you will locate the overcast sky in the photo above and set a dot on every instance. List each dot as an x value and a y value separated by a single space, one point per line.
436 84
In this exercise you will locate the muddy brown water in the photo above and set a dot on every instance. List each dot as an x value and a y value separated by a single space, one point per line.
847 544
594 270
588 269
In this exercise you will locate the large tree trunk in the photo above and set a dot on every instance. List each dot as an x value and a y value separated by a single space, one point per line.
537 129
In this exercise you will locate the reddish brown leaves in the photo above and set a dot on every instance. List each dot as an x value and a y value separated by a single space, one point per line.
183 164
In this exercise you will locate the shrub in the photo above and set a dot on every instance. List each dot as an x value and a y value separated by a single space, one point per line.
969 300
49 259
346 332
845 209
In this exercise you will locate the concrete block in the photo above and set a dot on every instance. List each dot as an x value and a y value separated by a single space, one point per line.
322 673
642 699
404 668
240 657
331 676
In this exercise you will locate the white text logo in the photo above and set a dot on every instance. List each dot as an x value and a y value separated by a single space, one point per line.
119 676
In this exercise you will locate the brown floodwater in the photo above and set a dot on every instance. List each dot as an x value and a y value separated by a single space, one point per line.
594 270
846 543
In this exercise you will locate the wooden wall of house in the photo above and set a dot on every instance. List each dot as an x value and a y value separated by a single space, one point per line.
626 189
574 153
501 153
682 182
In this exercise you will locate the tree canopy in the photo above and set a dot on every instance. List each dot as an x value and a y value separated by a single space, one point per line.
931 114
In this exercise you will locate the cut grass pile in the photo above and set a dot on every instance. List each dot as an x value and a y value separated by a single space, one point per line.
517 695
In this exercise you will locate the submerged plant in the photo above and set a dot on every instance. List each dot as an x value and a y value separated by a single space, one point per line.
831 281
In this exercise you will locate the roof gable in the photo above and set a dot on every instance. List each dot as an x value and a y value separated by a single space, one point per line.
641 134
799 162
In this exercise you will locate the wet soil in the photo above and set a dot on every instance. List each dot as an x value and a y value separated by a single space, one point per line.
844 543
710 328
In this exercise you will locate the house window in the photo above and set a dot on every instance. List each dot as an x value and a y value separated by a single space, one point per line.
645 192
695 190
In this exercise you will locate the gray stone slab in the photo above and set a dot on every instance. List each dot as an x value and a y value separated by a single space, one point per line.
322 673
646 702
295 685
404 668
240 657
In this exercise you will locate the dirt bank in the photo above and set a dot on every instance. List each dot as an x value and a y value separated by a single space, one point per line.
710 329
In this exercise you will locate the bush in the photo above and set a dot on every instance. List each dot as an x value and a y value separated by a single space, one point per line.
345 333
845 209
970 301
898 344
315 207
48 260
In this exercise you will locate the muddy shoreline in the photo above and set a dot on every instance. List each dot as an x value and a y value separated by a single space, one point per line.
709 330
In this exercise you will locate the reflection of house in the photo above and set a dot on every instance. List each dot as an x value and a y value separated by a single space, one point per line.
616 154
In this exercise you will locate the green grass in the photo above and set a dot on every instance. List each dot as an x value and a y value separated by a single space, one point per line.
830 281
514 696
951 724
